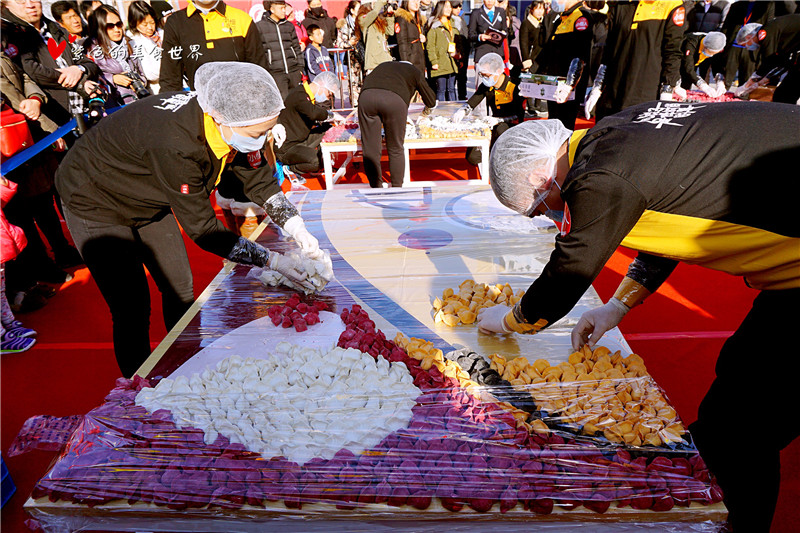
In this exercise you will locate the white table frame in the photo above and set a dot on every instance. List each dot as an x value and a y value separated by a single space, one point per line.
328 149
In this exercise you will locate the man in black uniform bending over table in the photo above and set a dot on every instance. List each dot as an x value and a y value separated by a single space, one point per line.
676 182
125 182
384 100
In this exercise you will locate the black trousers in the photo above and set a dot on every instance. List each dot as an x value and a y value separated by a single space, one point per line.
747 417
739 63
287 82
305 156
382 108
474 155
116 256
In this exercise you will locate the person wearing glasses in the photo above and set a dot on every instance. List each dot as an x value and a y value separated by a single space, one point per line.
501 92
677 182
112 50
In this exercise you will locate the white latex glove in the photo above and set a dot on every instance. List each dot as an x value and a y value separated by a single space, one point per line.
706 88
591 102
527 64
289 268
562 92
719 90
307 242
679 94
593 324
665 97
338 119
278 135
492 319
459 115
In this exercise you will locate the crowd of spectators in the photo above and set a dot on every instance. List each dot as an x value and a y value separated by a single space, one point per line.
87 53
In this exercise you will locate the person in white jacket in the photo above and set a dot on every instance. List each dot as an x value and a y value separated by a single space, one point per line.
147 38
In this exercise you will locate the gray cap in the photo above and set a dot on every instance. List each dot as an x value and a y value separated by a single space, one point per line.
492 62
237 94
522 164
714 41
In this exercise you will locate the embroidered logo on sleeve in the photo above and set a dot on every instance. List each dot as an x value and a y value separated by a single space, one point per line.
762 34
254 158
581 24
185 188
679 16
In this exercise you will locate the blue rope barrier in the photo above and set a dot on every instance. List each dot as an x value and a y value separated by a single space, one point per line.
22 157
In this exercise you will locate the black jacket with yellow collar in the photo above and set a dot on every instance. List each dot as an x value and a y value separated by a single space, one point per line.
157 156
504 102
192 38
678 182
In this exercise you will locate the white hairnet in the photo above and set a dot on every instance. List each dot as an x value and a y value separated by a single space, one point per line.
327 80
522 154
747 31
237 94
491 62
714 41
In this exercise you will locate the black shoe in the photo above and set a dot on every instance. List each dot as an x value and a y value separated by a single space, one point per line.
26 302
68 257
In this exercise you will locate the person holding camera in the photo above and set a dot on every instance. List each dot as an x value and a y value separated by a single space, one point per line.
112 50
147 35
64 77
374 27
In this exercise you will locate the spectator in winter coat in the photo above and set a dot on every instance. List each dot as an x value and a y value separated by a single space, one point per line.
514 52
67 14
462 44
373 28
408 30
28 33
317 57
113 52
281 45
488 30
147 36
532 34
706 16
302 34
442 51
316 14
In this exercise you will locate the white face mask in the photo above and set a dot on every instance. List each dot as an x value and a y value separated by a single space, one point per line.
489 81
244 144
558 6
321 97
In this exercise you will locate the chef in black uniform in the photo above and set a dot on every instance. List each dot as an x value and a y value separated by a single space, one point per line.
129 181
676 182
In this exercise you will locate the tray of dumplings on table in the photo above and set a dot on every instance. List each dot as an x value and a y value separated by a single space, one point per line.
267 406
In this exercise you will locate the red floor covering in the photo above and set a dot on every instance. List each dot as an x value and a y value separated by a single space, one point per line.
679 332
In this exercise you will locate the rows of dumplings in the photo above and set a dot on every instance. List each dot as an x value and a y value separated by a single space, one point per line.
319 271
300 402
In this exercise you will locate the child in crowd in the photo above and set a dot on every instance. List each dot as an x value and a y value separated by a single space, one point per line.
317 58
14 337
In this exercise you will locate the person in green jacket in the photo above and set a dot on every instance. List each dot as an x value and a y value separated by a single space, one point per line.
443 52
373 28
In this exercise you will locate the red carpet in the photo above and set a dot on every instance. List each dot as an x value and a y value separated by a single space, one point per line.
679 332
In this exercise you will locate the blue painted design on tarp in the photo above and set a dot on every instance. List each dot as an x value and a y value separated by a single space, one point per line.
386 198
389 310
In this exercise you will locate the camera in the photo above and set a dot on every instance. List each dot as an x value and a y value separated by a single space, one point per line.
95 101
138 85
390 7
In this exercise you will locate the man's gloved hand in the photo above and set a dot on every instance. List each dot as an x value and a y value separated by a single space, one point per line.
493 319
719 90
459 115
427 111
289 268
307 242
593 324
562 92
527 64
679 94
666 94
706 88
279 135
591 102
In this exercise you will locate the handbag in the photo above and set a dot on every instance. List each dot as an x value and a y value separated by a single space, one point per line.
14 132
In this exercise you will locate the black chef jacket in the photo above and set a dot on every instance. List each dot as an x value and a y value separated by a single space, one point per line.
678 181
643 51
779 41
504 102
570 35
155 155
